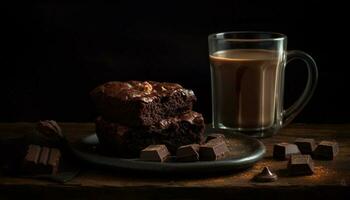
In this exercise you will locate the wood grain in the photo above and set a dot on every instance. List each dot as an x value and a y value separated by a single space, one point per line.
331 178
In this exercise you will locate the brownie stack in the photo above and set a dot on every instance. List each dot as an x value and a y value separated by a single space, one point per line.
136 114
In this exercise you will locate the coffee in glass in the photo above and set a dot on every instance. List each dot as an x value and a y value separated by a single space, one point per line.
247 73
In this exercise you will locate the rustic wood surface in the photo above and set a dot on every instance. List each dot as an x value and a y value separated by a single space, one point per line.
330 181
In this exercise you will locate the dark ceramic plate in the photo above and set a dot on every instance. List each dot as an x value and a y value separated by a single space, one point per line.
244 152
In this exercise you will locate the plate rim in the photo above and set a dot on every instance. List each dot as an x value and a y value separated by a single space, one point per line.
138 165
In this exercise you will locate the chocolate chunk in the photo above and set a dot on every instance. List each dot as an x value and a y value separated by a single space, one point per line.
156 153
50 129
283 151
326 150
213 150
265 176
305 145
41 160
301 165
214 136
188 153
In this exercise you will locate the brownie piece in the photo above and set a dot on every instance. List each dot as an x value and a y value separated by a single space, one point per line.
136 103
128 141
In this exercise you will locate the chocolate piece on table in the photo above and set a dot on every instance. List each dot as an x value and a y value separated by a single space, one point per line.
326 150
41 160
137 103
301 165
214 136
156 153
283 151
213 150
265 176
305 145
50 129
188 153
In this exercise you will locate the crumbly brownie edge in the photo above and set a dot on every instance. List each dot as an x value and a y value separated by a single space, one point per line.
128 141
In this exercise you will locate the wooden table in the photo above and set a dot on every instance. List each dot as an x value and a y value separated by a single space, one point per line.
330 181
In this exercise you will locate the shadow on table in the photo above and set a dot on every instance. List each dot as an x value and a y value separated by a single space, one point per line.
105 171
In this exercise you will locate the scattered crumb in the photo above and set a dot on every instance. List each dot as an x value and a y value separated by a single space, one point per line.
320 172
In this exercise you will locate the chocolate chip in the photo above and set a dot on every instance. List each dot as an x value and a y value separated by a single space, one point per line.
265 176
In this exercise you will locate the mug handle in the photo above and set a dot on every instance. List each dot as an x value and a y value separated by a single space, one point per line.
290 113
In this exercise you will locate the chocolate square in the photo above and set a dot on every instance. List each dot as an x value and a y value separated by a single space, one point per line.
283 151
326 150
301 165
305 145
215 149
188 153
155 153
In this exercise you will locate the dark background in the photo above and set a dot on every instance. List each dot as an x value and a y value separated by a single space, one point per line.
54 54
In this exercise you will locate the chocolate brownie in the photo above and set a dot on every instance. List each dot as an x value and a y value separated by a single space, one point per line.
136 103
121 140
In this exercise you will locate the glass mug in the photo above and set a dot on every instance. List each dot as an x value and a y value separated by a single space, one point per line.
247 81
